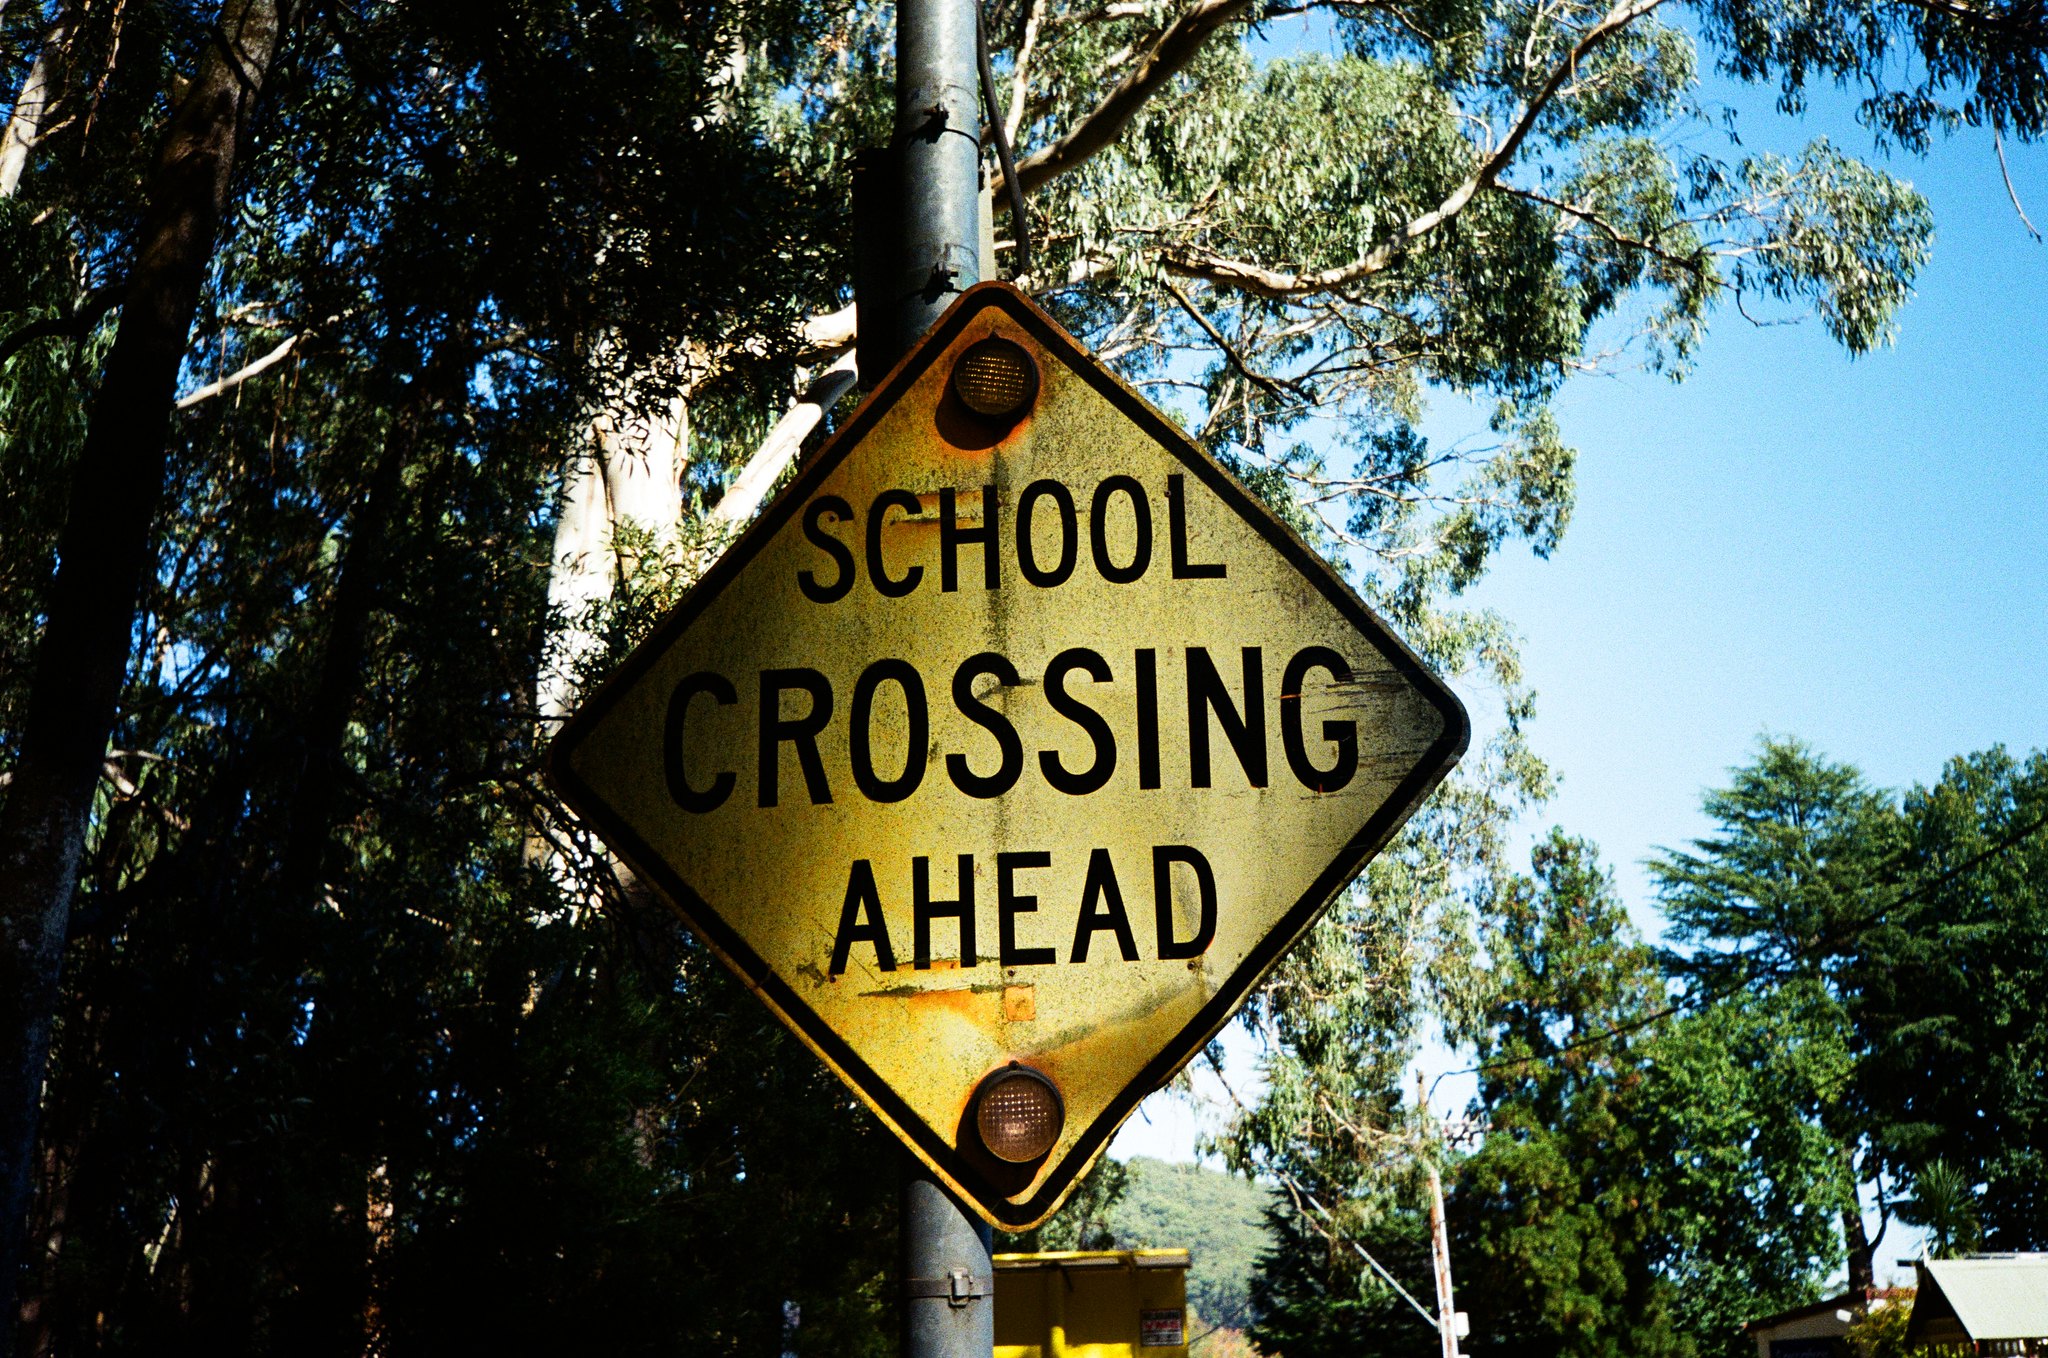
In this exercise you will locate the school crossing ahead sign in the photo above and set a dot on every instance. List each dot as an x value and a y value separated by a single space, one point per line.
1007 751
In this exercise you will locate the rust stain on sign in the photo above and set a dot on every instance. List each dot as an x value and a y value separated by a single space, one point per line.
1028 744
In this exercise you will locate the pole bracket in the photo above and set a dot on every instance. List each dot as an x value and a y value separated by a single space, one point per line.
959 1287
950 107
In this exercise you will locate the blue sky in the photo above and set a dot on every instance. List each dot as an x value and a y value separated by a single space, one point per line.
1852 551
1794 542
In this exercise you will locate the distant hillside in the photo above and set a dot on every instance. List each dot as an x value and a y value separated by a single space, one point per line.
1219 1218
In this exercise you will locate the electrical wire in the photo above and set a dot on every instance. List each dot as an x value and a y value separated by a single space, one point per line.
1294 1185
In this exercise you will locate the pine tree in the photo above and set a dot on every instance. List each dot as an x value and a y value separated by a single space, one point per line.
1775 903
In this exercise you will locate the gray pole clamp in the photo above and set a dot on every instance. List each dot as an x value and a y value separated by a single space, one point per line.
958 1287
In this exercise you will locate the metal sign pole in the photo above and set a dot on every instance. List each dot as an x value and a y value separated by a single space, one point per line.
948 1281
938 143
949 1304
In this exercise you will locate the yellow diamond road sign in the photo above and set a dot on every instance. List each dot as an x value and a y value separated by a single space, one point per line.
1015 739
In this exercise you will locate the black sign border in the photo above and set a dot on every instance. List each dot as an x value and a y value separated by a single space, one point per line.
733 950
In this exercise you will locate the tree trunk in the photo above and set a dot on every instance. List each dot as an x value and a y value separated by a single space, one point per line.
1861 1249
749 490
323 729
103 559
360 582
32 107
1862 1253
635 479
632 480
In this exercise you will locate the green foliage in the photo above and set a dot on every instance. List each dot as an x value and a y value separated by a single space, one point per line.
1953 1005
1677 1142
1563 1203
1314 1297
1850 236
1944 1204
1340 279
1751 1187
1793 874
1976 64
342 1062
1901 943
1219 1218
1880 1332
1773 907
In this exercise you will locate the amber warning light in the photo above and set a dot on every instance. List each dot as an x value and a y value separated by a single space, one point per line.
996 379
1019 1114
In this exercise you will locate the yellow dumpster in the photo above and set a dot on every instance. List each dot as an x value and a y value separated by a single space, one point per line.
1092 1304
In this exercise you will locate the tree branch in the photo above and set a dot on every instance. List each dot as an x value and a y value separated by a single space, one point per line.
1166 56
765 467
1606 228
832 331
1272 386
74 325
1020 79
236 378
1998 144
2018 21
1257 279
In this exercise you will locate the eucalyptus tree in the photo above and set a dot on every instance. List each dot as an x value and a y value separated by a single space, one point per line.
321 1005
317 746
1296 253
1293 252
81 657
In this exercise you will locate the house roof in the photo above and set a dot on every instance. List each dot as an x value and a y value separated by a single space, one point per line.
1989 1298
1848 1301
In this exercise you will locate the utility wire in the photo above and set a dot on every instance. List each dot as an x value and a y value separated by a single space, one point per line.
1301 1195
1001 137
1294 1187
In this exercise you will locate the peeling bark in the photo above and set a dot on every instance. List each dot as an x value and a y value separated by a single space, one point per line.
629 483
32 107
